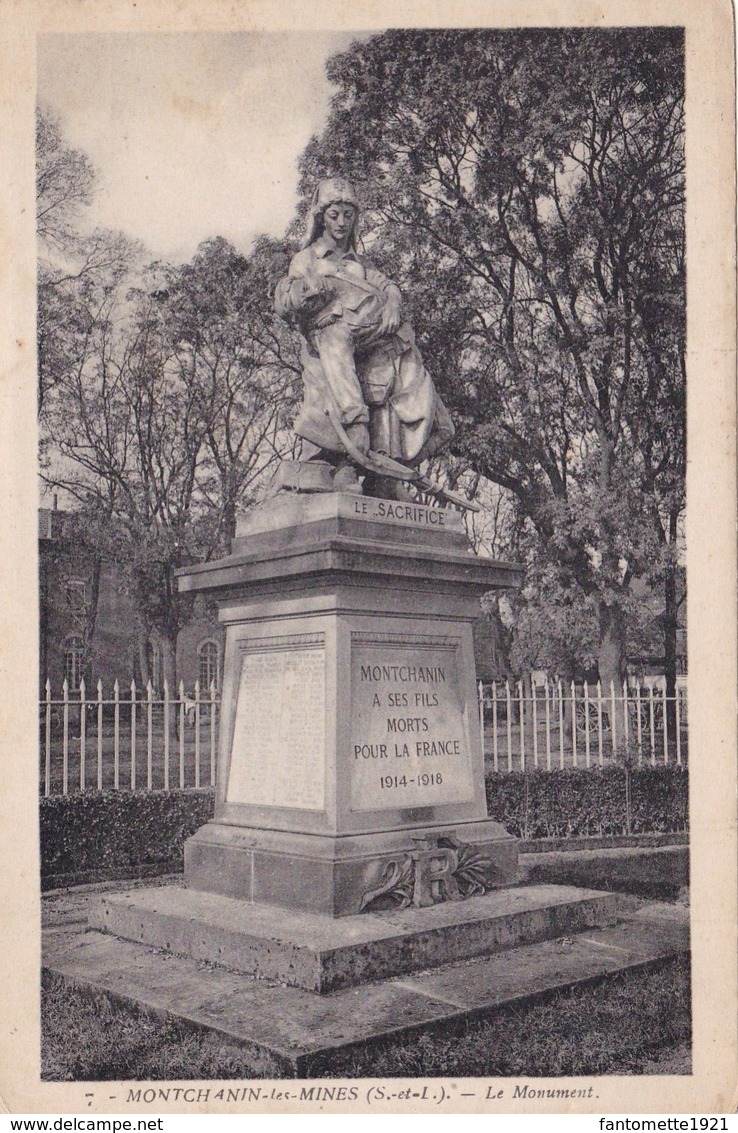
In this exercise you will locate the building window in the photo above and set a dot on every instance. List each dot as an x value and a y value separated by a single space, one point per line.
209 665
74 653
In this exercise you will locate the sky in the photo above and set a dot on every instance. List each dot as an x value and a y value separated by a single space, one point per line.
193 135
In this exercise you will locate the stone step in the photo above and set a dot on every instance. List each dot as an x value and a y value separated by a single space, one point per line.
285 1031
322 954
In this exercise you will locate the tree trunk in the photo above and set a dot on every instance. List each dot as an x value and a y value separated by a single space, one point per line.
230 518
611 657
611 662
670 628
143 654
169 663
92 604
501 639
670 658
169 673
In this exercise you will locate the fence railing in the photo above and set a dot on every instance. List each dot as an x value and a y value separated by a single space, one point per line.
139 739
135 739
548 724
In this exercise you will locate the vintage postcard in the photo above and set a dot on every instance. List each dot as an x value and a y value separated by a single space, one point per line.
369 606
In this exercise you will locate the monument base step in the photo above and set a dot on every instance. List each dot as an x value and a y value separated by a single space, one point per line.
322 954
341 876
289 1032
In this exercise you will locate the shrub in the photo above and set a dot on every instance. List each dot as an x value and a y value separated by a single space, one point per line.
580 802
92 836
113 831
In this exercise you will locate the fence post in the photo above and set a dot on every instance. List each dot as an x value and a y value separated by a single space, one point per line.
522 725
495 760
116 735
677 715
149 737
613 717
65 740
99 735
47 755
82 734
653 726
639 724
548 728
534 702
599 723
181 734
133 735
509 724
166 735
666 725
560 689
197 733
626 725
587 746
213 722
573 724
480 705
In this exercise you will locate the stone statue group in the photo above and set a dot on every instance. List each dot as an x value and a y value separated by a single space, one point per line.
370 409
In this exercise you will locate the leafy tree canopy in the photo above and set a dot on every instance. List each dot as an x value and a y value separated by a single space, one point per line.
527 188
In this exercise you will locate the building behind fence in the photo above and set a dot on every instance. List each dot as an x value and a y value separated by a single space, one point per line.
138 739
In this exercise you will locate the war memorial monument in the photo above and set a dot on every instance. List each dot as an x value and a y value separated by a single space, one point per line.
350 878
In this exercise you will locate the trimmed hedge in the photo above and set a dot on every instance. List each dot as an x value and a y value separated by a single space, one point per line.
580 802
119 833
661 874
113 834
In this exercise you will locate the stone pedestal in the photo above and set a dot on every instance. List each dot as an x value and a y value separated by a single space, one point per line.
350 871
350 765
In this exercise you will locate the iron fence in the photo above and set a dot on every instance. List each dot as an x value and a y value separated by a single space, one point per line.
547 724
135 739
144 739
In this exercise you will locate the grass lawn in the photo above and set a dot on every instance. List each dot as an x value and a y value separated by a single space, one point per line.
635 1023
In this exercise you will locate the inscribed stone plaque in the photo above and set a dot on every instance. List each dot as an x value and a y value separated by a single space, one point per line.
407 514
409 739
278 754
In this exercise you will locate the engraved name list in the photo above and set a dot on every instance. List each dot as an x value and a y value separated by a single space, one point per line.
279 732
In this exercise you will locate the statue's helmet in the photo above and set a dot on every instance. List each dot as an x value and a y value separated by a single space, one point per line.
330 191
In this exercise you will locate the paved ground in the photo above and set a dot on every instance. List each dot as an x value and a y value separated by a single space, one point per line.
283 1027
